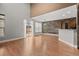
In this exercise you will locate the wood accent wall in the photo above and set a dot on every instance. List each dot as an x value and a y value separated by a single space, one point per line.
41 8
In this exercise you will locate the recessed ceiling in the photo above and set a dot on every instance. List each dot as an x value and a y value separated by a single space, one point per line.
42 8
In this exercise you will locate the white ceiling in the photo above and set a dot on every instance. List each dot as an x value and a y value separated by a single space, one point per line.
67 12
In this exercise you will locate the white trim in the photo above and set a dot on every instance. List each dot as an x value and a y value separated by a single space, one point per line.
50 34
38 33
46 34
75 46
25 23
11 39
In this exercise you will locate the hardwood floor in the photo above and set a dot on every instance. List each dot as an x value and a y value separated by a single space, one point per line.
40 45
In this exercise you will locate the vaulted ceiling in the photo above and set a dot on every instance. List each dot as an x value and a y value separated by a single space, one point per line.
42 8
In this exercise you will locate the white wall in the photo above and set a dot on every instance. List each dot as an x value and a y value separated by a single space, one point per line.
14 21
38 27
68 36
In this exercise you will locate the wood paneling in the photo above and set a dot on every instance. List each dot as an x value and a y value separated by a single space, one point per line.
41 8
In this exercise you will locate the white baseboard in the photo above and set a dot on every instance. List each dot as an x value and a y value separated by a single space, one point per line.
8 40
50 34
75 46
38 33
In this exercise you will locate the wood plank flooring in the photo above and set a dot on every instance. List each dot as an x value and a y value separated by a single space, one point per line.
40 45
